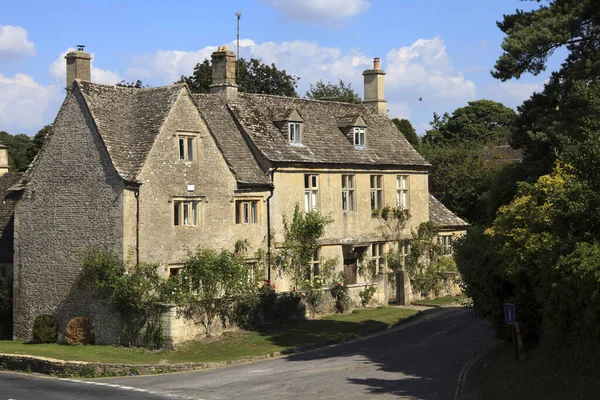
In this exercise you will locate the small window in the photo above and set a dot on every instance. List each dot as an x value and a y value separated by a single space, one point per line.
186 148
246 212
348 193
446 244
314 270
377 254
252 269
311 192
174 270
360 138
294 132
402 191
405 250
376 192
186 212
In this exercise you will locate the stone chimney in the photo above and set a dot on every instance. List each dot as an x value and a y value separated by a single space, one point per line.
374 87
223 73
78 66
3 159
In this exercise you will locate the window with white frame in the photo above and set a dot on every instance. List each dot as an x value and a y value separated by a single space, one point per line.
311 192
377 255
252 268
315 265
186 145
376 192
360 136
446 244
186 212
295 132
402 191
246 212
348 193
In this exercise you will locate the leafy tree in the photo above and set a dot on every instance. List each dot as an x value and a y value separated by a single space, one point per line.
331 92
209 286
252 77
409 133
37 142
301 235
134 85
484 121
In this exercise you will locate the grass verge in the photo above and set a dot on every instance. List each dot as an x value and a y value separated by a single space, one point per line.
440 301
230 346
498 376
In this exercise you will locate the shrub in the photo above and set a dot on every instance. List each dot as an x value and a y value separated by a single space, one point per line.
80 331
366 295
5 309
45 329
339 291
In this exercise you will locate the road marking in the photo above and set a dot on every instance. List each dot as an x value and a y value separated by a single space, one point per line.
462 377
131 388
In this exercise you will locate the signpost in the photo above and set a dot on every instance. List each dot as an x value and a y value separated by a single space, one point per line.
510 316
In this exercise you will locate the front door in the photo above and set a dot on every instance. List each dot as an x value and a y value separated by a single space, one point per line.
350 270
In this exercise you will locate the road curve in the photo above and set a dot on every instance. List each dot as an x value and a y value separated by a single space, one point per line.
421 359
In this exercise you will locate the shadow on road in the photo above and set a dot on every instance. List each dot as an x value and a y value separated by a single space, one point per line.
420 360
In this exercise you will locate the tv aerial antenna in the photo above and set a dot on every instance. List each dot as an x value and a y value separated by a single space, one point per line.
238 14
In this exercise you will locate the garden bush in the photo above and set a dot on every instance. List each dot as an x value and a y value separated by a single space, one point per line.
339 292
80 331
288 306
45 329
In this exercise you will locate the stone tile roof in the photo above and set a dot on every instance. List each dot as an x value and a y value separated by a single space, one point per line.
232 145
441 216
7 209
129 120
322 139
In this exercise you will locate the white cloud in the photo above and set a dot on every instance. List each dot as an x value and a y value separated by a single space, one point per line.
167 66
58 71
512 94
25 105
331 12
14 43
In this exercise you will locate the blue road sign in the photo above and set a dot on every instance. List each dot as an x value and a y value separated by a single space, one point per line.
509 313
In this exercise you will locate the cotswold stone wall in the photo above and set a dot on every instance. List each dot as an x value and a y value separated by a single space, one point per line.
73 201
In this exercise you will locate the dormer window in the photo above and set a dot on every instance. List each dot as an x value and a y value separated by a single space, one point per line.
294 132
360 138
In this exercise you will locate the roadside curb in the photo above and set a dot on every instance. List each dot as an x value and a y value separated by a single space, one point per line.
84 369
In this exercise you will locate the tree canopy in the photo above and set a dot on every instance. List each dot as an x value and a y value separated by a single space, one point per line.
22 149
407 130
252 77
333 92
485 121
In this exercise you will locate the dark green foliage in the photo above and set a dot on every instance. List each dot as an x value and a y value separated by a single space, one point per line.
133 85
288 306
252 77
503 188
482 121
332 92
6 308
409 133
134 291
572 306
339 292
45 329
21 148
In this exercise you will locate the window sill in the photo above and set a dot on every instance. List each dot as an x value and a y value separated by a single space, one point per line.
296 144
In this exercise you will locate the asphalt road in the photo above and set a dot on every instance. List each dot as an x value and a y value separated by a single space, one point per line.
421 359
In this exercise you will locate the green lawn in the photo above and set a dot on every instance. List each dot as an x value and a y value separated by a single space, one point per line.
498 377
440 301
230 346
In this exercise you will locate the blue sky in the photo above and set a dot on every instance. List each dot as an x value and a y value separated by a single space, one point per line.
439 50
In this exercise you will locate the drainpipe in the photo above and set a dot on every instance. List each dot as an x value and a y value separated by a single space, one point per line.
272 189
137 225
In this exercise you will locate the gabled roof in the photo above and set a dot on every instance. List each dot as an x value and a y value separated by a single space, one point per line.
234 148
441 216
128 120
322 140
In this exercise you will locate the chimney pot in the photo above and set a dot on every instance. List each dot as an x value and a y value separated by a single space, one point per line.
376 63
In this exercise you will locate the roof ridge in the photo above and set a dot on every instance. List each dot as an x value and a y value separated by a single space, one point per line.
80 82
303 99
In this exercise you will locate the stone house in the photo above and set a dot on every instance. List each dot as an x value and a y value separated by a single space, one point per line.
152 173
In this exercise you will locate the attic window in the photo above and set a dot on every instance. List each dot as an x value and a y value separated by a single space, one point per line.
360 136
294 132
